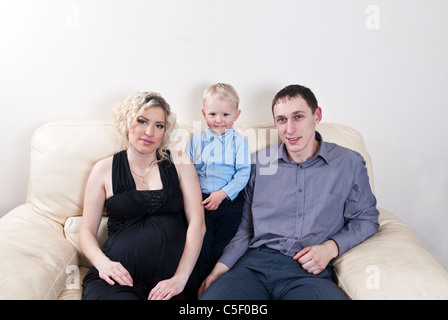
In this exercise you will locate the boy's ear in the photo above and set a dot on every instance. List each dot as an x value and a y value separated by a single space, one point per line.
203 112
238 112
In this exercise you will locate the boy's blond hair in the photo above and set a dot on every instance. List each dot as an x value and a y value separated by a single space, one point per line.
222 91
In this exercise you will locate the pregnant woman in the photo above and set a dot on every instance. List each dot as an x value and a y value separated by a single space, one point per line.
152 197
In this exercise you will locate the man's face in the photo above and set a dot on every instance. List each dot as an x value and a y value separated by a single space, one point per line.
296 125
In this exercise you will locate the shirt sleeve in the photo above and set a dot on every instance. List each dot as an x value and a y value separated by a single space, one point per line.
360 214
242 169
240 242
194 148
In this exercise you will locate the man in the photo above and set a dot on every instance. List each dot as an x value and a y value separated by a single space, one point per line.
317 205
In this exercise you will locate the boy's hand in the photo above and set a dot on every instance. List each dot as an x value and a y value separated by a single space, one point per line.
214 200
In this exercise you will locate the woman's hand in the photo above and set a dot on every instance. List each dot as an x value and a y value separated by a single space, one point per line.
167 289
110 271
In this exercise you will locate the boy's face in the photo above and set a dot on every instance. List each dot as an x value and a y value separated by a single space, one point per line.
220 114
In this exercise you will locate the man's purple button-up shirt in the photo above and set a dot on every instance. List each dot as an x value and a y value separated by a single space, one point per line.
290 205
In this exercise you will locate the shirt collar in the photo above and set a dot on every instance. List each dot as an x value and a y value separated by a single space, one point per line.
322 153
209 135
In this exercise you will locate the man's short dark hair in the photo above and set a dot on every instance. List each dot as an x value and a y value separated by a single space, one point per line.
294 91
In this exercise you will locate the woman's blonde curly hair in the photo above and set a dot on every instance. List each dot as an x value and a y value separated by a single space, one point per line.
126 113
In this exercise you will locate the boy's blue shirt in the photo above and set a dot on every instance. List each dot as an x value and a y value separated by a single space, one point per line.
221 161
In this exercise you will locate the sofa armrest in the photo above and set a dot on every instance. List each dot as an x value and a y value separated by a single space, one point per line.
35 258
392 264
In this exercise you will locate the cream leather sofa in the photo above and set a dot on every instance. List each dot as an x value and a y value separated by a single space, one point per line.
40 256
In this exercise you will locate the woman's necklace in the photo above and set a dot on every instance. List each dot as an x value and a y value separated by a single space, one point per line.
144 177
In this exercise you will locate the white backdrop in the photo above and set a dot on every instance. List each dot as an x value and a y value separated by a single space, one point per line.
378 66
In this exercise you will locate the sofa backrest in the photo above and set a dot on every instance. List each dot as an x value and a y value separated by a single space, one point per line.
62 155
64 152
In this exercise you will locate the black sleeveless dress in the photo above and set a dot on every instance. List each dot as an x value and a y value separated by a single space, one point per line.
147 231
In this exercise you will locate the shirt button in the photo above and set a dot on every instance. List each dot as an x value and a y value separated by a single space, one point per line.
299 214
284 251
300 190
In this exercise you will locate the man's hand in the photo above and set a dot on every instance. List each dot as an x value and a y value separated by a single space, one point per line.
218 270
315 259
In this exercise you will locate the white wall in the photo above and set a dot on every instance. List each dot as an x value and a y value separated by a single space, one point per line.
378 66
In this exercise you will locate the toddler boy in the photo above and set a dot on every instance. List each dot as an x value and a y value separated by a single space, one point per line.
222 159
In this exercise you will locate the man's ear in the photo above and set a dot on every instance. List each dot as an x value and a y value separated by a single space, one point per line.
317 115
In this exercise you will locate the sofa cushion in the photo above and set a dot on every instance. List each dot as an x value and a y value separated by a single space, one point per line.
392 264
74 290
36 257
71 230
